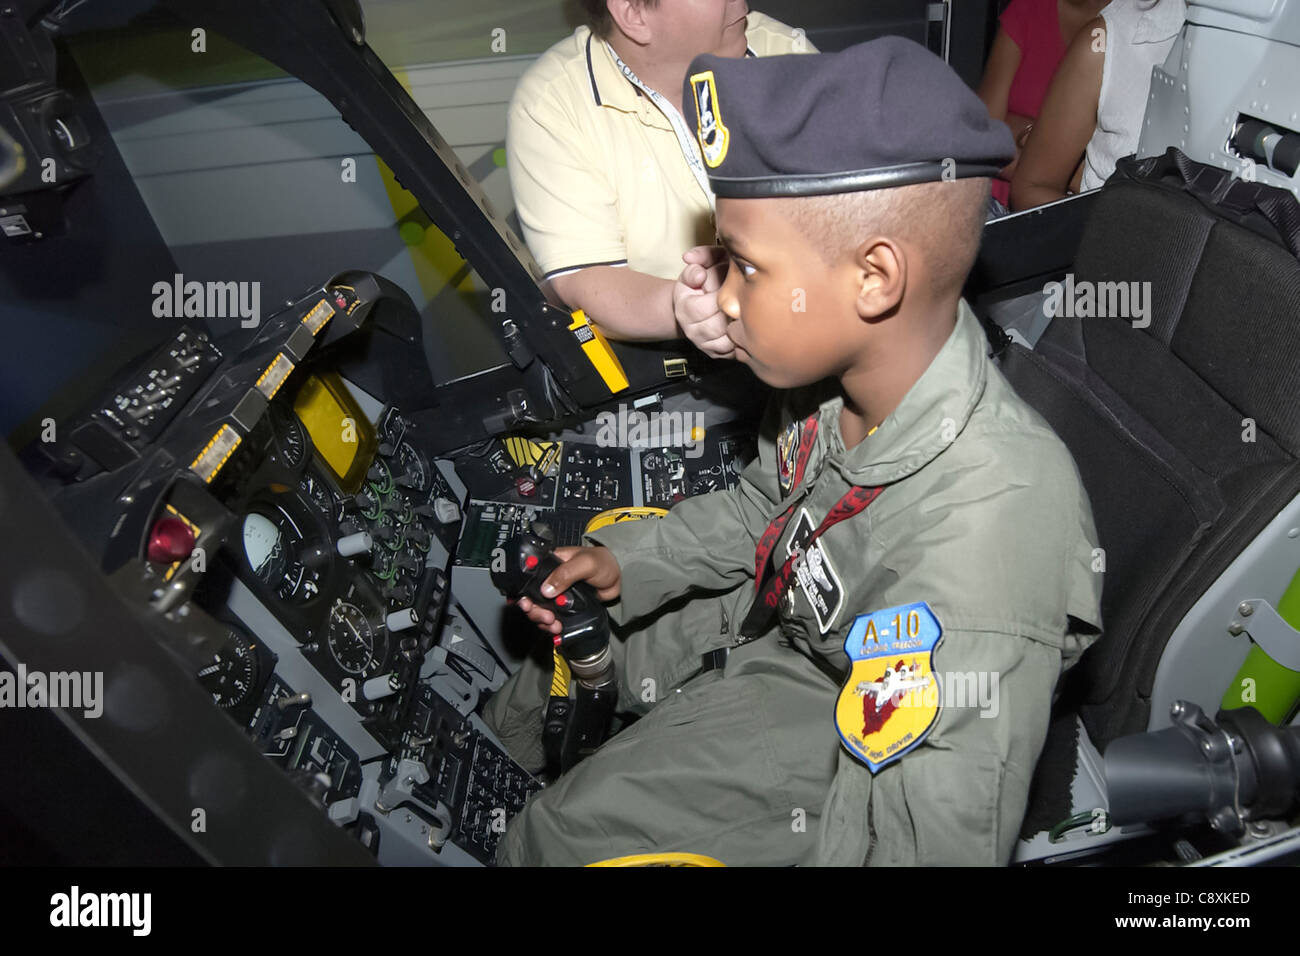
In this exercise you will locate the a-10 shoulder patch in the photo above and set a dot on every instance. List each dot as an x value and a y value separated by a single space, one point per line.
891 700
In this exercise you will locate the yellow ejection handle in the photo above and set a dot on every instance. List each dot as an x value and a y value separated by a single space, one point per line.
598 352
661 859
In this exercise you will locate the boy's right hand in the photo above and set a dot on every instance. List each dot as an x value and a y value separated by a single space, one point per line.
695 301
597 566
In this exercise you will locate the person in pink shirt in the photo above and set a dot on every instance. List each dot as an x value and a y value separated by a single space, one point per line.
1031 42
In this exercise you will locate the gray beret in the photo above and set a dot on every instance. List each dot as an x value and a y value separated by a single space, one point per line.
879 114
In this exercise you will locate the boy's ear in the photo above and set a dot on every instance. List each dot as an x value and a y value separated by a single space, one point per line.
882 268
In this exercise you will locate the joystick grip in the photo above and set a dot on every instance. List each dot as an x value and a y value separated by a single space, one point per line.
528 562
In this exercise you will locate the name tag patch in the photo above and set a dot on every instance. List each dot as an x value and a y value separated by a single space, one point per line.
891 700
820 584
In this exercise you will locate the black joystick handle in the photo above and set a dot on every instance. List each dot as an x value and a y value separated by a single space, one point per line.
528 562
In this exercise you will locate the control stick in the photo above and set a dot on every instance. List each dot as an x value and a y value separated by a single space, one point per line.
569 733
584 641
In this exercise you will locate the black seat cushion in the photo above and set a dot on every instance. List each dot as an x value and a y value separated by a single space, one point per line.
1185 432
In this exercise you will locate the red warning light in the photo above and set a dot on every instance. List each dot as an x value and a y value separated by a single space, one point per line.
170 540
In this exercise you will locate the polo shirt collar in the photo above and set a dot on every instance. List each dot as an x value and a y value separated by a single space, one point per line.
609 87
931 415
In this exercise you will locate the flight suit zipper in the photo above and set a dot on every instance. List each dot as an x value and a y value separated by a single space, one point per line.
871 831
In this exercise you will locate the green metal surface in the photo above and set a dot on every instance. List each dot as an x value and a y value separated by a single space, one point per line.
1263 683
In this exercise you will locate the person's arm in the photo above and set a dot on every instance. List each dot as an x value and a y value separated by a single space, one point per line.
705 543
994 91
626 304
569 212
630 305
1065 124
999 76
999 72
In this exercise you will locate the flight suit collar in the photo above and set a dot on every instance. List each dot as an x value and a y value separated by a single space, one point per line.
928 419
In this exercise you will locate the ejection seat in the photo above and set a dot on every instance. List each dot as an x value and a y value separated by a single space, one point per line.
1186 433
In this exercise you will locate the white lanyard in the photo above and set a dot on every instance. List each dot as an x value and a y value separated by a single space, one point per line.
684 137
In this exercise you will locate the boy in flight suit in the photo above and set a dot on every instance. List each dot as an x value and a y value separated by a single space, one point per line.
850 657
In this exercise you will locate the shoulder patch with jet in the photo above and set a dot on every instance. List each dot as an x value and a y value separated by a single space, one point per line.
892 698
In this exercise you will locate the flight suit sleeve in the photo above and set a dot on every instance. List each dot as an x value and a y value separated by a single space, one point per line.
959 798
1002 565
704 544
567 204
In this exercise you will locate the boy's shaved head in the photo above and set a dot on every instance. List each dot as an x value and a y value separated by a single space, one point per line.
943 220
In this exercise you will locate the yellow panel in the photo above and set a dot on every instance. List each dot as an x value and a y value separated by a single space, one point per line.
343 436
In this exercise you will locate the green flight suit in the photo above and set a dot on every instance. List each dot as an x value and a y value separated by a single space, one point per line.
983 517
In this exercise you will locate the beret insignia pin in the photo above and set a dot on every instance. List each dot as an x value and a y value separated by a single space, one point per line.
713 134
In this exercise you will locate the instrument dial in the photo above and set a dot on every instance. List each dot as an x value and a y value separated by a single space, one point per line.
290 439
704 485
380 477
369 503
233 673
273 546
419 539
389 531
351 639
264 547
315 491
402 510
382 566
414 466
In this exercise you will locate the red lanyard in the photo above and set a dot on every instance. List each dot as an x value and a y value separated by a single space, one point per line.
771 586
